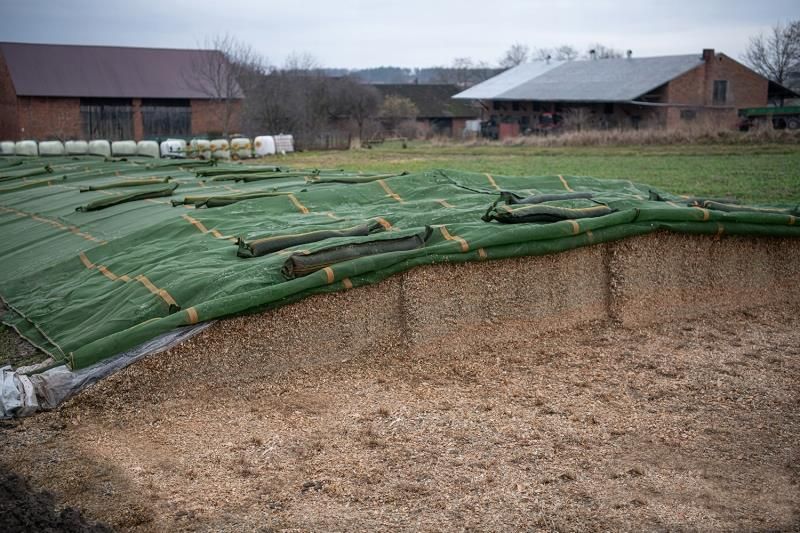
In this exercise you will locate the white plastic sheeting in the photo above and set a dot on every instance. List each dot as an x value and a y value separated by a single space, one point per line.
7 148
123 148
77 147
241 148
26 148
220 149
51 148
174 148
200 148
17 394
264 145
100 147
147 149
23 395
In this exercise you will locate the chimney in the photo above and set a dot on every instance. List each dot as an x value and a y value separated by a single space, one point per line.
592 54
708 54
629 54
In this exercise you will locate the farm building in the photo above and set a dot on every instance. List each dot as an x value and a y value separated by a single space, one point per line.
667 92
66 91
438 112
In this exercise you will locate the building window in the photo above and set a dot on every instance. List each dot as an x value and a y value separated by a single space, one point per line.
537 107
720 91
608 109
514 106
688 114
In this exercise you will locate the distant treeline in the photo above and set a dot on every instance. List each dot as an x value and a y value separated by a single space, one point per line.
459 76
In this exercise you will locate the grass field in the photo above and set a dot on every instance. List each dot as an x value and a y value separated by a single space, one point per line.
759 173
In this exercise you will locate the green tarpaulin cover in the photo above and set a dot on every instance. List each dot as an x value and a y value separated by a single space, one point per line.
87 275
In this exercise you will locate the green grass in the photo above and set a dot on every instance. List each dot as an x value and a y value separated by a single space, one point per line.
757 173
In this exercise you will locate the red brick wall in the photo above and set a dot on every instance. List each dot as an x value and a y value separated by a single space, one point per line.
8 104
42 118
209 117
458 126
696 88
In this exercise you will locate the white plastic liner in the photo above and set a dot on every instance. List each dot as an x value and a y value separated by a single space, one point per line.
123 148
22 395
100 147
7 148
220 149
147 149
26 148
241 148
174 148
264 145
51 148
200 148
76 147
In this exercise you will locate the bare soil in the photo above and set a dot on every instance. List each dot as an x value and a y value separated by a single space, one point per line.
686 425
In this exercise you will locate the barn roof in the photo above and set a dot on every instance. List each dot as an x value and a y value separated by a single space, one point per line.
109 71
432 100
602 80
507 80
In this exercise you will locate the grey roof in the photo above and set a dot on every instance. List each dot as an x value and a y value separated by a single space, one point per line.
511 78
107 71
602 80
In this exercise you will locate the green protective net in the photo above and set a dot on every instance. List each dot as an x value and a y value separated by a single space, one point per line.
86 285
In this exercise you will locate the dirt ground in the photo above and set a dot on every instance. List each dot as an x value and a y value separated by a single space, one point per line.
688 425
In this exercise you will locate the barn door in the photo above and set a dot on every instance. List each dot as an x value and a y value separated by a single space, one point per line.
166 118
107 118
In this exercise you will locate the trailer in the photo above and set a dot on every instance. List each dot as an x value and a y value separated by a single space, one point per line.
787 117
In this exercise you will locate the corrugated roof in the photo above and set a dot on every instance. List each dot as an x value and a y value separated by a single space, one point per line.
432 100
106 71
505 81
602 80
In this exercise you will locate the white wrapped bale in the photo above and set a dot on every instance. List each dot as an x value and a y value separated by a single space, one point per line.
220 149
147 149
201 148
264 145
123 148
174 148
284 143
7 148
51 148
76 147
26 148
241 148
100 147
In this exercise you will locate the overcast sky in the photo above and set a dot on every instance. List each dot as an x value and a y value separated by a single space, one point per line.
411 33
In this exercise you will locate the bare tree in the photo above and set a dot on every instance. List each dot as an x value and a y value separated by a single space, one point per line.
220 69
464 72
602 51
775 54
301 62
517 54
397 109
564 52
355 101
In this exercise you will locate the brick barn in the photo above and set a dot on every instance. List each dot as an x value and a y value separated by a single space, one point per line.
625 93
107 92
